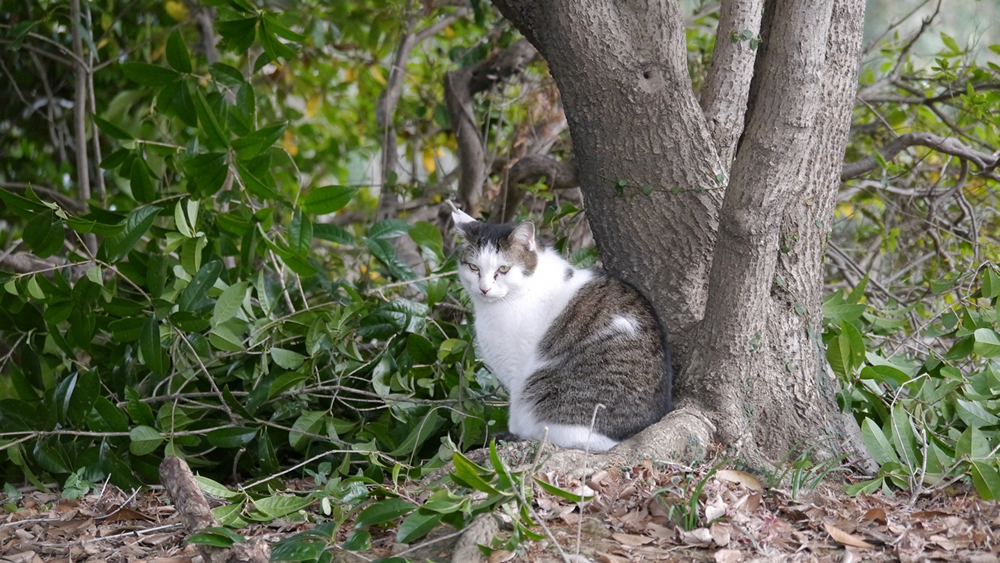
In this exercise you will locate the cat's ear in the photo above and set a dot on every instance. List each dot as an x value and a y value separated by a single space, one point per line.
524 234
460 218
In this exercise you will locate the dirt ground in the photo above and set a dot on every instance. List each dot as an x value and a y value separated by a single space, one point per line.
636 514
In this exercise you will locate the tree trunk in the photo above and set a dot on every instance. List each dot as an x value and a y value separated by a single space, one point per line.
741 303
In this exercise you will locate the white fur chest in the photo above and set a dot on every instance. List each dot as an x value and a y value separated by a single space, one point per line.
509 331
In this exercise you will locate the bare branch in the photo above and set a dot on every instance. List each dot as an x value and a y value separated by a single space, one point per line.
389 99
80 112
459 87
24 263
530 169
947 145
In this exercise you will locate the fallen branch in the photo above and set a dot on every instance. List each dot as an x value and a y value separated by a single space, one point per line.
185 493
984 161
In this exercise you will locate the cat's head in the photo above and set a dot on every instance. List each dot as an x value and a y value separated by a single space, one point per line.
495 262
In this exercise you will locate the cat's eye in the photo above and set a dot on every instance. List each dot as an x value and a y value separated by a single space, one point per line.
473 267
504 269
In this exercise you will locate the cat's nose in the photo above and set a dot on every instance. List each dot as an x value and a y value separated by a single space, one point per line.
485 290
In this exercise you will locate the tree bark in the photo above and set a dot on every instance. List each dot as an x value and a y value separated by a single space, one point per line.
738 282
621 68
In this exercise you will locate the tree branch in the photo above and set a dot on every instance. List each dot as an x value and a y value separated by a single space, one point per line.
459 87
947 145
389 99
727 86
530 169
66 202
80 112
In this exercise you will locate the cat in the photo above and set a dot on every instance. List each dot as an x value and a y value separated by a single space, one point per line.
562 340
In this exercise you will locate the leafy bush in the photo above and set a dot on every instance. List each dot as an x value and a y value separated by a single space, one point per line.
915 341
213 310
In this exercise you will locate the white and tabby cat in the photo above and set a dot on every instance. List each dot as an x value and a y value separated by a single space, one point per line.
562 340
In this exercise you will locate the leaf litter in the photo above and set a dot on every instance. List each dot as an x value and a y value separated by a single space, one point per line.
636 513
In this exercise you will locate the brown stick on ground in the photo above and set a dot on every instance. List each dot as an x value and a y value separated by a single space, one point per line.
191 505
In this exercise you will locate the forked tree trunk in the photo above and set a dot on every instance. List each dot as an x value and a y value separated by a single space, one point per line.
730 251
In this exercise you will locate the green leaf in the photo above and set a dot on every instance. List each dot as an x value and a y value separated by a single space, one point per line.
138 222
268 33
249 146
212 538
360 540
309 422
584 258
281 31
904 437
389 228
149 75
231 437
183 104
383 511
333 233
216 489
209 123
207 171
561 493
987 343
427 427
972 444
286 358
254 184
852 345
229 302
145 440
278 506
428 237
141 178
328 199
113 131
991 283
153 354
197 289
227 75
294 549
177 53
44 234
467 474
876 442
238 35
974 415
417 525
950 43
300 234
986 479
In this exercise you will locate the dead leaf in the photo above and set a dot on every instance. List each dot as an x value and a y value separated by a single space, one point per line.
741 477
927 514
875 514
121 515
728 556
658 531
631 540
844 538
170 560
499 556
23 557
699 538
609 558
720 533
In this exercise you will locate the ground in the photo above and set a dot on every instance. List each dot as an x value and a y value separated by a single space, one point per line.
639 512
